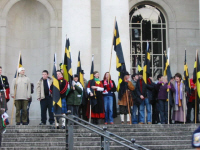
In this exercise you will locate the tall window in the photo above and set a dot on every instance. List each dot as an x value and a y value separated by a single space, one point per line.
147 23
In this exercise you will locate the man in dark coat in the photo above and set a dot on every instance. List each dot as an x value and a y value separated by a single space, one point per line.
144 91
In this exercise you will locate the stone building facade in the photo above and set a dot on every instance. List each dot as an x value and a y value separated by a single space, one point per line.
38 28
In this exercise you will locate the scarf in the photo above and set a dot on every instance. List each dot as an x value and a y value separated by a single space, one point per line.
178 88
141 85
108 86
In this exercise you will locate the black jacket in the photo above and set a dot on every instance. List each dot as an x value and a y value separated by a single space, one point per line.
5 82
146 89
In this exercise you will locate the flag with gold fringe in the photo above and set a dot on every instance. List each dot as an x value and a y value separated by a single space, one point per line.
57 103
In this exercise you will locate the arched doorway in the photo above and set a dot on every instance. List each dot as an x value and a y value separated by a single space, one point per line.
148 23
28 31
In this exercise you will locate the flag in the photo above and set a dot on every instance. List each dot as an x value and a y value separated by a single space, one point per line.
196 75
167 69
139 68
57 103
67 67
186 78
92 69
146 68
19 64
120 63
79 71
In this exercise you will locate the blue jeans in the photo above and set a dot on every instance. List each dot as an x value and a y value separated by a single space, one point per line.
108 105
134 116
142 108
163 105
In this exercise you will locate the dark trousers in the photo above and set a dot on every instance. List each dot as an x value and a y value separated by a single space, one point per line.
21 104
45 104
163 106
155 113
82 111
21 112
74 109
191 105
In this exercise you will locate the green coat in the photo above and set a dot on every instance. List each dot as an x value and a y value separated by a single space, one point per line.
75 96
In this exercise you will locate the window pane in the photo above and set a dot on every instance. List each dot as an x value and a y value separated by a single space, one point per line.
146 30
156 71
157 47
157 60
156 34
144 47
136 48
164 40
136 34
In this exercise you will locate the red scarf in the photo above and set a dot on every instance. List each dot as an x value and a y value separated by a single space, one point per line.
61 78
108 86
141 85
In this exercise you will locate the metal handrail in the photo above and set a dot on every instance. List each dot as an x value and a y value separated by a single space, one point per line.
72 117
117 136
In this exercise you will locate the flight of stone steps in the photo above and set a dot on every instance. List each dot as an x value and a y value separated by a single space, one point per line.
168 137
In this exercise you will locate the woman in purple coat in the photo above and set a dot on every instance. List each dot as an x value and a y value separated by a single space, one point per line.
162 98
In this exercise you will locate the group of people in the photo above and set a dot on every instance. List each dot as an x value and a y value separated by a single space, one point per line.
96 98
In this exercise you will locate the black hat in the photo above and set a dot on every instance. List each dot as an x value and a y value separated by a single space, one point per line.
82 71
126 73
196 138
75 75
141 72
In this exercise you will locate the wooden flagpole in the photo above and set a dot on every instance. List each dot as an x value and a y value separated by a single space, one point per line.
128 107
111 50
168 88
15 89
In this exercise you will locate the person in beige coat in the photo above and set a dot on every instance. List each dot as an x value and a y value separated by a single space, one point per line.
21 95
180 106
44 96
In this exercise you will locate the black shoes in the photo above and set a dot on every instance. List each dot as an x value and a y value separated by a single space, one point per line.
24 123
42 123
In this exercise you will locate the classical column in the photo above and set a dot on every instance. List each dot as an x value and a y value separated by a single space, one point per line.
76 24
109 10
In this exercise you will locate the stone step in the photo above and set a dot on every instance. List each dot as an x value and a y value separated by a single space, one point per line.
34 139
137 138
152 147
32 144
35 130
34 148
8 135
144 143
135 134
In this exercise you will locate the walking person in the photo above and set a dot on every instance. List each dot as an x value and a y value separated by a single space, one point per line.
74 96
44 96
125 98
22 95
179 108
108 96
162 87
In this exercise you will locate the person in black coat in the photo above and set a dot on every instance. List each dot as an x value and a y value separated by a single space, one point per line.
144 91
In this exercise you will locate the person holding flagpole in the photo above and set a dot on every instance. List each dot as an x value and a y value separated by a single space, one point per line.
21 95
179 96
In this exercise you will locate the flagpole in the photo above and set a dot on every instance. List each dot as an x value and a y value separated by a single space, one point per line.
128 107
111 49
93 93
15 89
168 88
196 91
